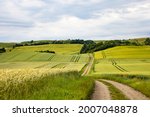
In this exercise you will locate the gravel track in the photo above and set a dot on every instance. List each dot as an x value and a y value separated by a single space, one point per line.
101 92
128 91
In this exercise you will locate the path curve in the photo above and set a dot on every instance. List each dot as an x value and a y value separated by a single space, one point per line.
89 66
128 91
101 92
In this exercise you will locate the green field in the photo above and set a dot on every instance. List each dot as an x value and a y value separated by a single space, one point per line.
66 57
123 60
25 73
58 48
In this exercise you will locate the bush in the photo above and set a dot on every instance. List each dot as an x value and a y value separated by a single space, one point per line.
2 50
47 51
147 41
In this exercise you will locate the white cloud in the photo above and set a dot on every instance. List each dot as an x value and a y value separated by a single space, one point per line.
31 3
11 11
130 19
79 2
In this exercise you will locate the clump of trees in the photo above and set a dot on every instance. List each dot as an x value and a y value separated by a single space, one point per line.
147 41
47 51
88 46
2 50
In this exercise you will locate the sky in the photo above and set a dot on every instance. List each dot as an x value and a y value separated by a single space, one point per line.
23 20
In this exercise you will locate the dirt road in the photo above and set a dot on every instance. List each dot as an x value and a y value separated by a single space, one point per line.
127 91
101 92
89 66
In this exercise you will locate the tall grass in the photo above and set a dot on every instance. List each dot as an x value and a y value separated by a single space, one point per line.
138 82
57 86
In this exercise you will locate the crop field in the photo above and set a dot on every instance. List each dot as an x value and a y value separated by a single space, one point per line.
58 48
43 84
123 60
25 73
66 57
129 52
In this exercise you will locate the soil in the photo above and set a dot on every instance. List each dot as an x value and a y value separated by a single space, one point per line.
101 92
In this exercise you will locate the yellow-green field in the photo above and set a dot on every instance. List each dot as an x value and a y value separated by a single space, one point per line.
58 48
123 60
26 73
66 57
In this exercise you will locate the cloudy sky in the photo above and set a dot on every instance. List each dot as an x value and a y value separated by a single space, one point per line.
63 19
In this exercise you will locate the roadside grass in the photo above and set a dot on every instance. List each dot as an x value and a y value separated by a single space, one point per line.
115 93
138 82
58 86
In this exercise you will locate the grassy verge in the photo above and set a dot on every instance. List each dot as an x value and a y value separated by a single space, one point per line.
62 86
138 82
115 93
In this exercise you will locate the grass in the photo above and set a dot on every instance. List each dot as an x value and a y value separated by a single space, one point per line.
115 93
59 86
138 82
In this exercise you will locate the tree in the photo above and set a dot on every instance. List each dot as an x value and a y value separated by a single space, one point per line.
2 50
147 41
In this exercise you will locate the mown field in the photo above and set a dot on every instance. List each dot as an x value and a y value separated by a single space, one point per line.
123 60
26 73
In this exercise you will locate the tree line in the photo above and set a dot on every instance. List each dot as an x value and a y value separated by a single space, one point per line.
43 42
93 47
89 46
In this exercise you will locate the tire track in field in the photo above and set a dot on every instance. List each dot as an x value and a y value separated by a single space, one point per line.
101 92
117 66
51 57
31 57
9 59
129 92
72 59
60 66
75 58
41 66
